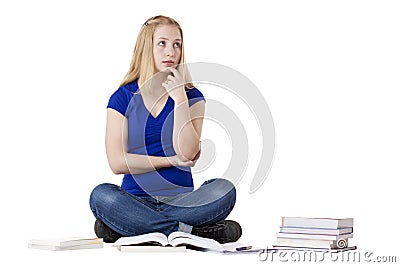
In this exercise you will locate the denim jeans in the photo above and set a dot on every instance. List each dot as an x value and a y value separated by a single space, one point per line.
132 215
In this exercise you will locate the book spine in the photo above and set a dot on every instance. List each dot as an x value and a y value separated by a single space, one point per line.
321 231
313 236
341 243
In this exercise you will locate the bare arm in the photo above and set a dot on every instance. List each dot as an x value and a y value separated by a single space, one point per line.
188 124
122 162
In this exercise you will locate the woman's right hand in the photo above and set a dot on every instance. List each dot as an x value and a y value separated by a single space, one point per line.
177 161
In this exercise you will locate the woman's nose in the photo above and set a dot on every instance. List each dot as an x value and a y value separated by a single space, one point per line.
170 51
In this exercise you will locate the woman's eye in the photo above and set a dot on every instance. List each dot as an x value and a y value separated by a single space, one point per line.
177 45
161 43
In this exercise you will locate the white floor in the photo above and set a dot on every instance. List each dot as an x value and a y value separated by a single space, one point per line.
329 71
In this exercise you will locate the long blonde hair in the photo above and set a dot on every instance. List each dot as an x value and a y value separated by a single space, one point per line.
142 64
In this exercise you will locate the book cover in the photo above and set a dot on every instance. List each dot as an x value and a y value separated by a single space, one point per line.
328 223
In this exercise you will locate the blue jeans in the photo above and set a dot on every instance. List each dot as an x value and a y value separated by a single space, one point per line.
132 215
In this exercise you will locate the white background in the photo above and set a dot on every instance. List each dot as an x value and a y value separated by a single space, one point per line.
329 71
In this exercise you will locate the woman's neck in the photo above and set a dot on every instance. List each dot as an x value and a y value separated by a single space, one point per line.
155 87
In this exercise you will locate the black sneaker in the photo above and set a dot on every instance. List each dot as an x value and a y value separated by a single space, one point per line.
103 231
223 231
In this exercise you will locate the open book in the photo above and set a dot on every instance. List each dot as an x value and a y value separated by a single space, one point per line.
176 240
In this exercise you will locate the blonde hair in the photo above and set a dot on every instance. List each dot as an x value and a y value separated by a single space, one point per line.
142 64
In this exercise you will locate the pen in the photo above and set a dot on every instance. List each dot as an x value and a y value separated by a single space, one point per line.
243 248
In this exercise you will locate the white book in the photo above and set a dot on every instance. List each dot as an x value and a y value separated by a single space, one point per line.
328 223
176 239
58 248
321 231
310 243
68 243
316 249
314 236
139 248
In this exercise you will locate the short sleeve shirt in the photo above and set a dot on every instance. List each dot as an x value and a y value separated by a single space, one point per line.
148 135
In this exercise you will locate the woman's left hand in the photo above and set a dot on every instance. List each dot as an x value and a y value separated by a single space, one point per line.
175 86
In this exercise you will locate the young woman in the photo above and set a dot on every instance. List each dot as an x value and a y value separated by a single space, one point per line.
154 123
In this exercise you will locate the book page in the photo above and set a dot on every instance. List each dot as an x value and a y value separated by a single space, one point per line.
139 248
182 238
159 238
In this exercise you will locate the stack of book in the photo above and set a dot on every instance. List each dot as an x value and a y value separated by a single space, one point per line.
314 234
66 243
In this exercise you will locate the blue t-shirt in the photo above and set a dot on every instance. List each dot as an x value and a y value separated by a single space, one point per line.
152 136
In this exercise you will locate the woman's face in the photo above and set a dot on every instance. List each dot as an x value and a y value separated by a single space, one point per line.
167 46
